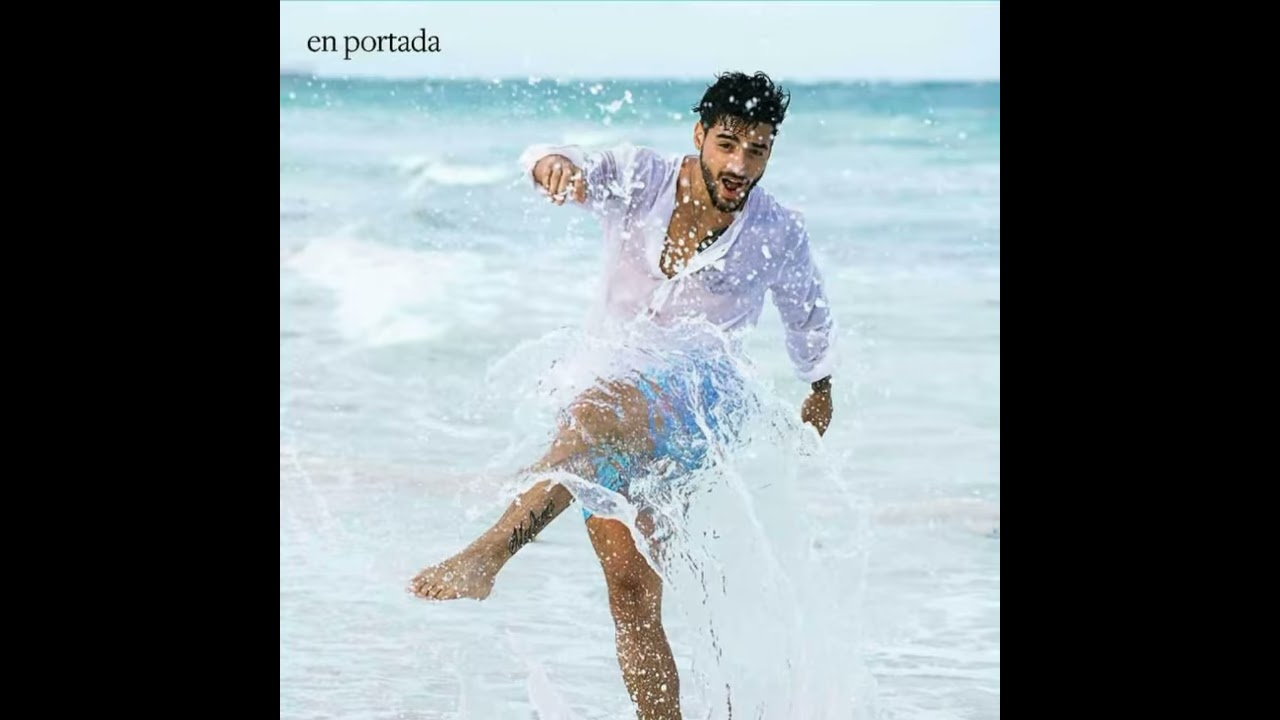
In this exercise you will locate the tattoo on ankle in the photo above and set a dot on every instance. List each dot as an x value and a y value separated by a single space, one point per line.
521 537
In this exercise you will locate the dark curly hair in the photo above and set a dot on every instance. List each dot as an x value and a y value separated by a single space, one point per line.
740 99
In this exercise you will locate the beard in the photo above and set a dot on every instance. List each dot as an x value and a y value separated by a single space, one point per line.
713 188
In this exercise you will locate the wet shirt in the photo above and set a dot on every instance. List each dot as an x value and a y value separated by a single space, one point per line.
632 191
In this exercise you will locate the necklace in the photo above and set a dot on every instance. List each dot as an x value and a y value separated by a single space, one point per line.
670 264
710 240
706 242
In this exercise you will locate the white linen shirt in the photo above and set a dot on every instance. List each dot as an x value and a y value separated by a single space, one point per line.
632 191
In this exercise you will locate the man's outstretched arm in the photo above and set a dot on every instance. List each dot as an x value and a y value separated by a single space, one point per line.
595 180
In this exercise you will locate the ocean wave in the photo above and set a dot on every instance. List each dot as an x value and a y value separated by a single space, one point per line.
591 138
387 295
428 170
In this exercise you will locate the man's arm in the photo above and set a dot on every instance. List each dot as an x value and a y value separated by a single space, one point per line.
809 326
597 180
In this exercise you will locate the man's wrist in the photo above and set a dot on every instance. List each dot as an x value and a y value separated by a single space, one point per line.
822 386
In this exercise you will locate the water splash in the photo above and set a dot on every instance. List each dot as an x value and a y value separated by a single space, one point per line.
761 599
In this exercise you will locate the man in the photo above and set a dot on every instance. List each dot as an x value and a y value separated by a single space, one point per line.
687 238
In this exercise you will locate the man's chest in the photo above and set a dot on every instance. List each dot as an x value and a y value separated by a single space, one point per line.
686 236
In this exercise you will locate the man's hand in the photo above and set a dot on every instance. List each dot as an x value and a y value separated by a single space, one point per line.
556 173
817 407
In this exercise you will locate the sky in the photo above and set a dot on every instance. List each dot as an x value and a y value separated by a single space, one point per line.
894 41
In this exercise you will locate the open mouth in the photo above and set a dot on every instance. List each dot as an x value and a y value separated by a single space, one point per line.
733 187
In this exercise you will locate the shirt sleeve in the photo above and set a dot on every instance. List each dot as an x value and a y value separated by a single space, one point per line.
613 175
808 322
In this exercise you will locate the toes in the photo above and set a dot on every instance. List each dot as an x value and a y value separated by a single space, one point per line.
420 587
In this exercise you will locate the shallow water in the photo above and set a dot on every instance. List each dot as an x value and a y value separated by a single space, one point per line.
420 288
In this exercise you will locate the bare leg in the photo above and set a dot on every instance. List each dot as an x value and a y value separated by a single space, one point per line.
471 572
615 414
635 600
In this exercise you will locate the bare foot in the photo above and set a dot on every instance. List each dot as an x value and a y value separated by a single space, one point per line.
469 574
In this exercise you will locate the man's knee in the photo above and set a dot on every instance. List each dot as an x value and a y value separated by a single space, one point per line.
630 588
633 595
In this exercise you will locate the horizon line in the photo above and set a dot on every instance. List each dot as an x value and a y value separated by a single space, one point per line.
534 78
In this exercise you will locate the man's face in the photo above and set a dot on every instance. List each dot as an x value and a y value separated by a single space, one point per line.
733 157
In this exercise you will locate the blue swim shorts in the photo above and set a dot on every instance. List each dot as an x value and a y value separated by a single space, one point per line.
695 400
